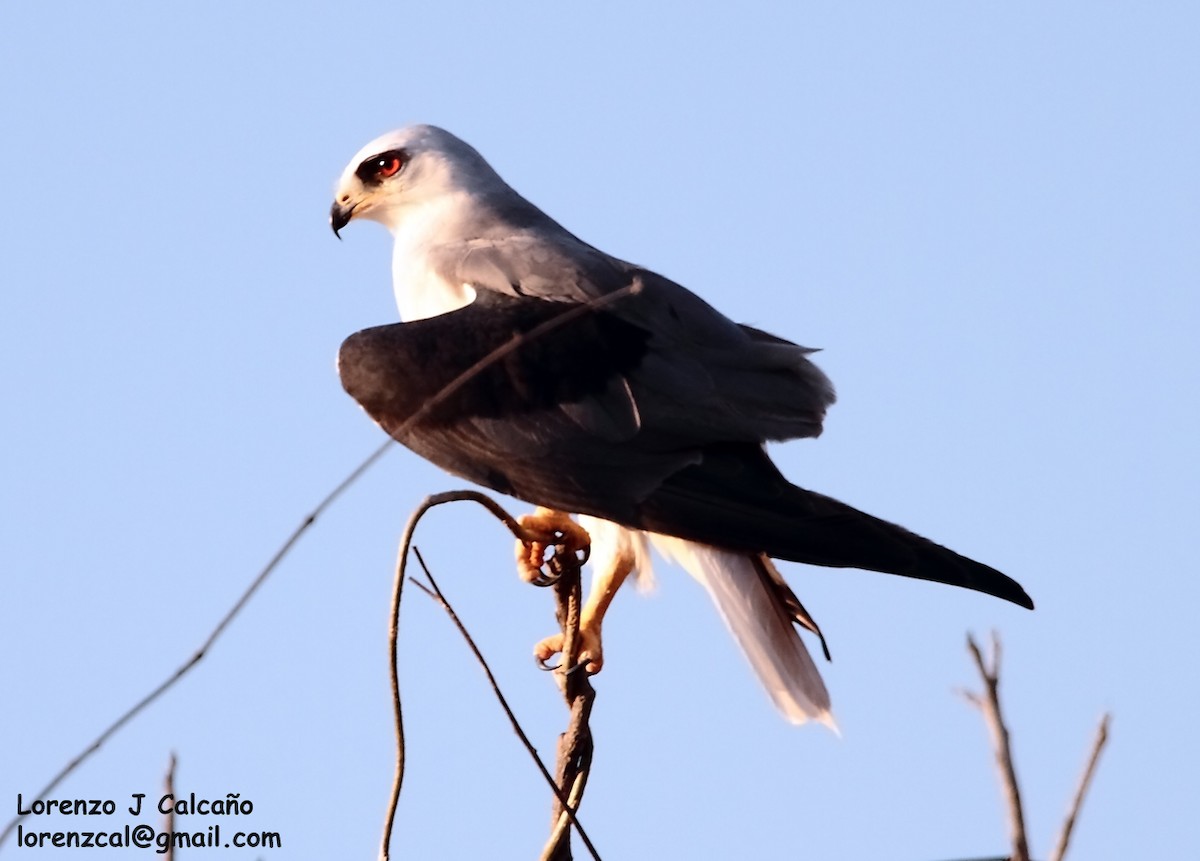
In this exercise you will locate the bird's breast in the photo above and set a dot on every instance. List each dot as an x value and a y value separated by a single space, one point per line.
420 291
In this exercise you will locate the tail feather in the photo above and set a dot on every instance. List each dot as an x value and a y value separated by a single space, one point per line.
762 623
735 497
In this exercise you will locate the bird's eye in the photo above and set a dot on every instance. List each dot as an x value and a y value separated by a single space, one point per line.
387 166
379 167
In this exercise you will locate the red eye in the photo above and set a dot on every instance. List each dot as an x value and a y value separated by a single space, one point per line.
381 166
387 167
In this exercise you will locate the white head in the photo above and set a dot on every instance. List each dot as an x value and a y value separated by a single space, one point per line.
400 170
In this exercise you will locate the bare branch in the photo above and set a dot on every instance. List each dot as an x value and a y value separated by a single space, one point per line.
1064 837
989 704
169 818
453 386
394 631
199 654
435 592
575 746
970 696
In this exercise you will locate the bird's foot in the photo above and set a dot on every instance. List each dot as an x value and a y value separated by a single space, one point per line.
589 655
549 529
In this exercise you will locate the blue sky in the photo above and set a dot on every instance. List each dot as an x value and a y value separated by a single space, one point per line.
986 216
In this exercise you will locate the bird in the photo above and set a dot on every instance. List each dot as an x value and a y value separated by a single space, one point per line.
628 401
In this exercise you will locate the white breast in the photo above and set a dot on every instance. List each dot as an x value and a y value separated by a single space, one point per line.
420 291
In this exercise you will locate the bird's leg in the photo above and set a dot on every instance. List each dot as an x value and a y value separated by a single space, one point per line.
604 586
549 528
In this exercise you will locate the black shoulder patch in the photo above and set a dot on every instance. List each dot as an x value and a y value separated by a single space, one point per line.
393 370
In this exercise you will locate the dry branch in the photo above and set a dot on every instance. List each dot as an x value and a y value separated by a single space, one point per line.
575 745
1064 836
516 342
169 818
989 704
567 567
212 638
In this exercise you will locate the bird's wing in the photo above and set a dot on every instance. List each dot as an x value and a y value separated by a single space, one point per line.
584 418
702 375
550 422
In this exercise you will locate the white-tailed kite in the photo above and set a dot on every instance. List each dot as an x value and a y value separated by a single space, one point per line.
646 416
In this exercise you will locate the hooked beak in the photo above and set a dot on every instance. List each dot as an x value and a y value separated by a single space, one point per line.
339 216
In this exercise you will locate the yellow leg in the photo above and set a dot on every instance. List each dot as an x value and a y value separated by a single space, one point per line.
605 583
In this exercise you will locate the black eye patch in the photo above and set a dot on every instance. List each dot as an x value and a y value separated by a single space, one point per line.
377 168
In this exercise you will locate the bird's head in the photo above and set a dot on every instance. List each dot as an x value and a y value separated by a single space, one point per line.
403 169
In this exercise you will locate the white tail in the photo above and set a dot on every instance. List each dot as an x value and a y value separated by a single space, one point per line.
762 625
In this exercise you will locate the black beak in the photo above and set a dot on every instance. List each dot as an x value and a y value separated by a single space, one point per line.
339 217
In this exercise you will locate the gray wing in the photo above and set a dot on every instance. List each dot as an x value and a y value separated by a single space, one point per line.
704 374
650 462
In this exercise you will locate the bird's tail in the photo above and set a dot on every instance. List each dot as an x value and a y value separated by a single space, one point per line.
759 611
736 497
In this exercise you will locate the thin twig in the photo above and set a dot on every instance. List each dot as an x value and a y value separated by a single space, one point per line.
556 844
169 818
435 592
989 705
450 388
1064 836
394 630
212 637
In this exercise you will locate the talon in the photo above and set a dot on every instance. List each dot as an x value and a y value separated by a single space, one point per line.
530 559
580 666
591 654
551 529
547 648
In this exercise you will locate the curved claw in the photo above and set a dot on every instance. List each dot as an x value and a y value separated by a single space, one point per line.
550 668
582 665
590 656
534 568
554 532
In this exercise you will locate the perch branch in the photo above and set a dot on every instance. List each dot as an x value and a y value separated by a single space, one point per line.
436 594
453 386
1064 836
575 746
989 705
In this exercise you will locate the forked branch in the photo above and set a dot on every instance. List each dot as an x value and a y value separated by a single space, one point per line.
574 756
988 703
515 343
575 745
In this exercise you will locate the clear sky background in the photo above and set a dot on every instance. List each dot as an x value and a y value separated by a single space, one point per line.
987 216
